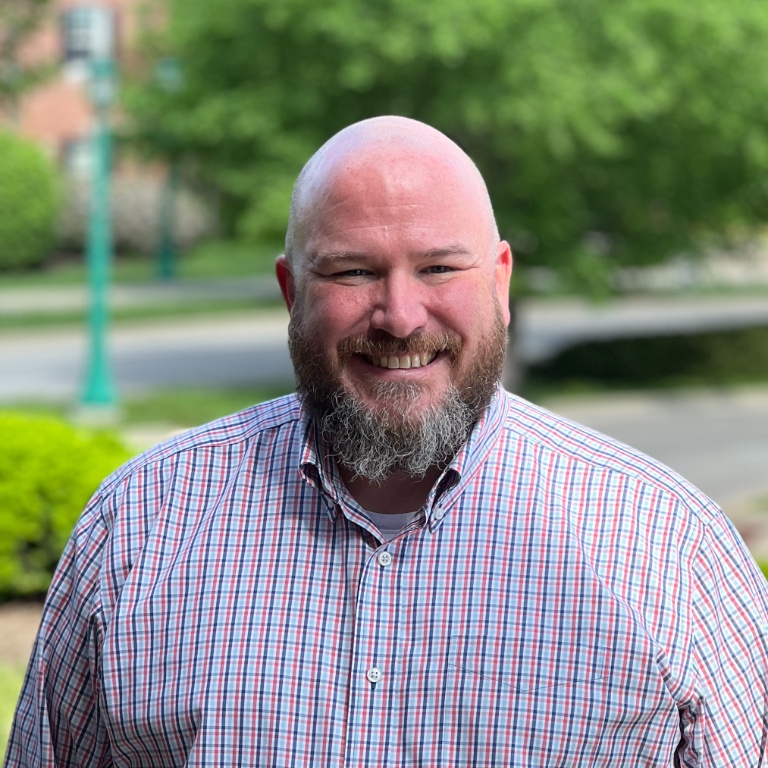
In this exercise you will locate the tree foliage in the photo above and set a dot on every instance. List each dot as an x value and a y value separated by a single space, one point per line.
610 133
18 20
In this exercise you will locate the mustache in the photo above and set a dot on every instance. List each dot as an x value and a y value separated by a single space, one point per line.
422 343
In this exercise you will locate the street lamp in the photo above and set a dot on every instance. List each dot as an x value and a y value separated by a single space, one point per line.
99 392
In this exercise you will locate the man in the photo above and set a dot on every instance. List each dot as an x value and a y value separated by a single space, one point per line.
405 565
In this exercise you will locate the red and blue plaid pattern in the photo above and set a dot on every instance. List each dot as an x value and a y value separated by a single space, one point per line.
562 601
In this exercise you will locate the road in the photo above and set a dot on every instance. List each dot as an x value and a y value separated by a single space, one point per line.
546 327
217 350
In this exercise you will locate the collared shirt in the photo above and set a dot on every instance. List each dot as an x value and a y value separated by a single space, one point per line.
561 600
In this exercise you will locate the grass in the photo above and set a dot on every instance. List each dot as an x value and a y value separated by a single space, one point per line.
178 407
189 407
214 259
11 678
217 260
18 321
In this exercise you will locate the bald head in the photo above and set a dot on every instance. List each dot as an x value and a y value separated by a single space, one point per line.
383 143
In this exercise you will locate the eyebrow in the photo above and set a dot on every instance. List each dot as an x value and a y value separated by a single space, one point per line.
333 257
336 257
455 249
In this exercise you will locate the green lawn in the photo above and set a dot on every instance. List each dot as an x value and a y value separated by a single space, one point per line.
214 259
18 321
177 407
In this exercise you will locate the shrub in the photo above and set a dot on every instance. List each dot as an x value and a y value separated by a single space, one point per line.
29 198
712 357
48 471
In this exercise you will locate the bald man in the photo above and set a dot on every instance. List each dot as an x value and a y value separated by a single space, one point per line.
402 564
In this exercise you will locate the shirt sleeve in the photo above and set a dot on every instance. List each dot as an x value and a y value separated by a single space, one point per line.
57 721
725 721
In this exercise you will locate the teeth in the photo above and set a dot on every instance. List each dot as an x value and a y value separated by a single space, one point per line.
406 361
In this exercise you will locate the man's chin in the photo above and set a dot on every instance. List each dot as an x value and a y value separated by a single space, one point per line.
397 402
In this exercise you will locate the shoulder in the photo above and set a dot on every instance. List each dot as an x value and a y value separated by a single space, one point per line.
563 447
177 483
211 449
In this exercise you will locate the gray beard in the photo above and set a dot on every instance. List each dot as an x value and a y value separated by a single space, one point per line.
398 436
372 447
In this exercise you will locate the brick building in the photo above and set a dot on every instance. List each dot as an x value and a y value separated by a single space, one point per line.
58 115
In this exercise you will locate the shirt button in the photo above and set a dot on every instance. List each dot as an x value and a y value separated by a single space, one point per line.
373 674
384 559
439 513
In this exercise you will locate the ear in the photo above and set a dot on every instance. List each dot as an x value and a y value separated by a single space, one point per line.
503 276
285 279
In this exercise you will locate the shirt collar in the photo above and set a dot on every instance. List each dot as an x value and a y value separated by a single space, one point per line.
320 471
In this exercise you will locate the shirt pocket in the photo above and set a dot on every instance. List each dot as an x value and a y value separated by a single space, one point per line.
528 664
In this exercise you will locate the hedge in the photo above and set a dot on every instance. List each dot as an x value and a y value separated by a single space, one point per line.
711 358
29 204
48 471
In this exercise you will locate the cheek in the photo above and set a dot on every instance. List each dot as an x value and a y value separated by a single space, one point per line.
336 314
465 312
474 317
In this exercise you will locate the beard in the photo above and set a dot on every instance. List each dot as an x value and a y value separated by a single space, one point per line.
396 435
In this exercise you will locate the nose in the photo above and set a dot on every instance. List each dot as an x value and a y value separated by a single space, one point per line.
399 307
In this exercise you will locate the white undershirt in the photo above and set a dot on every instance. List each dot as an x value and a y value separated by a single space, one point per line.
390 525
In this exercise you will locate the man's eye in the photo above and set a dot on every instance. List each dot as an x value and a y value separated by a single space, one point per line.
352 273
439 269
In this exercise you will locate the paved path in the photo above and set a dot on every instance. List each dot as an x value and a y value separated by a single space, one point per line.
546 327
216 350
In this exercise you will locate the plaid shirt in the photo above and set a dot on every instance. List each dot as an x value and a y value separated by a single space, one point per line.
562 600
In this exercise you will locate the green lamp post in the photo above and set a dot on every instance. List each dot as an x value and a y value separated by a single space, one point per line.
99 392
170 79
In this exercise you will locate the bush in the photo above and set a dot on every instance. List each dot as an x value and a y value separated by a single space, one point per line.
137 202
48 471
29 198
711 358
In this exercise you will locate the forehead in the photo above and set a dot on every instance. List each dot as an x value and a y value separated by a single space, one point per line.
386 194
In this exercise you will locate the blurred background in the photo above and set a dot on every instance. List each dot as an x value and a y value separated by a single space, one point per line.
147 154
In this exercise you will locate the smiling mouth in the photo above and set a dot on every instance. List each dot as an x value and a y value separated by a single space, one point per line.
401 354
402 361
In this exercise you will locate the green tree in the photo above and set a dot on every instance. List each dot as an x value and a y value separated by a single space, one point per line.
610 133
18 20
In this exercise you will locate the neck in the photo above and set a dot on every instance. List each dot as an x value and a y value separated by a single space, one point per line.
399 493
